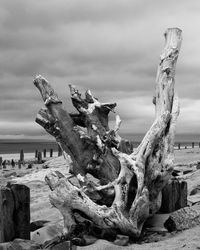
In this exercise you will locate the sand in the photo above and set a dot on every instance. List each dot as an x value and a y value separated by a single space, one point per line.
41 209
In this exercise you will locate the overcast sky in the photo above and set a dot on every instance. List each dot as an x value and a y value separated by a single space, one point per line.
109 46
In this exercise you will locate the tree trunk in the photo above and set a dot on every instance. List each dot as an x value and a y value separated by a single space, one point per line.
130 182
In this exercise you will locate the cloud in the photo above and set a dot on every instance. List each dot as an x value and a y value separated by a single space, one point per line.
111 47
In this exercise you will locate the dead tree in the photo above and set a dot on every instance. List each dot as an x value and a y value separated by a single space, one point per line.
130 182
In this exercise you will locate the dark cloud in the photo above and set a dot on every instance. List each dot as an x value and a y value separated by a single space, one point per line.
111 47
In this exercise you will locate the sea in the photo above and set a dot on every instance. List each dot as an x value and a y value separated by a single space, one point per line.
10 149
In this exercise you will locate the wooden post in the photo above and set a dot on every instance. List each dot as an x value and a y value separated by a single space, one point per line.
59 150
39 157
174 196
44 153
14 212
199 144
179 146
192 144
21 194
51 152
4 164
1 160
7 231
22 155
36 153
19 164
13 163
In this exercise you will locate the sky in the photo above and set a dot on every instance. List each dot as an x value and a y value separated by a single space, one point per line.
111 47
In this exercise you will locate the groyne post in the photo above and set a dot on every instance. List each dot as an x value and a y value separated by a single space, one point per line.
51 152
15 212
19 164
4 164
39 157
22 155
44 153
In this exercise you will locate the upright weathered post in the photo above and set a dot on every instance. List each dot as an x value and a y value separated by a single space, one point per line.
14 212
4 164
174 196
44 153
51 152
21 196
7 227
13 163
19 164
192 144
179 146
39 157
36 153
22 155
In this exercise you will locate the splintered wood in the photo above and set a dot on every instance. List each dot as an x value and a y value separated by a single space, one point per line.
130 182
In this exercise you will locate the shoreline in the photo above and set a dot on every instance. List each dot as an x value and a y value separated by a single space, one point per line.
27 156
31 155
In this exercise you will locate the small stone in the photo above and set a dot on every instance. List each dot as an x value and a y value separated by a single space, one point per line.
183 218
194 191
66 245
176 172
30 166
23 245
121 240
187 171
89 239
78 241
35 225
45 166
10 174
194 199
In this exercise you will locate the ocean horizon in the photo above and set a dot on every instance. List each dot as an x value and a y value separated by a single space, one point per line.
13 146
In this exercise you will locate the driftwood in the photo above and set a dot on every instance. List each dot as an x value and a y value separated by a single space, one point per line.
130 181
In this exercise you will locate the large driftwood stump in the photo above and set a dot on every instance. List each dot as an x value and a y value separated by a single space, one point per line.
130 182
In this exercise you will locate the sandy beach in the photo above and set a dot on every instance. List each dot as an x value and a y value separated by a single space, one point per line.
41 209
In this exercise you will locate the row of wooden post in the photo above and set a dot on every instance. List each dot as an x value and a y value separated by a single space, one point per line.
192 145
38 155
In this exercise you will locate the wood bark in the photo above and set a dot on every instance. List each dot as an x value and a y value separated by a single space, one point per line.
14 212
174 196
130 182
